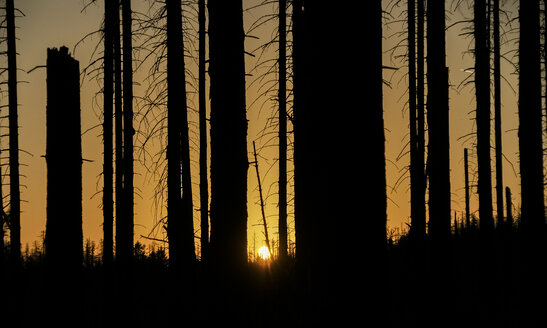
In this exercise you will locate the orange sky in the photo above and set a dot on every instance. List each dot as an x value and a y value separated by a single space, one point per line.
54 23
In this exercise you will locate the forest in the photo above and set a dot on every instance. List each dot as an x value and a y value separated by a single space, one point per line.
174 98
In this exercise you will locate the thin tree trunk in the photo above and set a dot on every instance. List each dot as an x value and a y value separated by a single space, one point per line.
497 114
118 134
422 183
126 229
203 169
282 62
108 94
509 205
414 175
466 170
15 197
482 92
264 223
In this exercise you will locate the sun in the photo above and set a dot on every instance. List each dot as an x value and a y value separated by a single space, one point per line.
264 253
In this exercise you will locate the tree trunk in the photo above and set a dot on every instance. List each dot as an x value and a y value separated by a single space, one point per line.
229 162
482 93
530 118
466 170
509 205
124 252
420 158
64 239
438 160
415 178
118 134
282 98
64 236
497 113
15 196
531 162
437 117
108 94
203 169
179 208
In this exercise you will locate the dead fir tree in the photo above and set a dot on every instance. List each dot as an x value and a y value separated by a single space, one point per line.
482 95
203 132
229 162
64 235
108 112
15 196
180 212
125 228
282 100
438 159
531 162
497 110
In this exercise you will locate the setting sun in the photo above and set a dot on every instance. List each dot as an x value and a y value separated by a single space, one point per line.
264 253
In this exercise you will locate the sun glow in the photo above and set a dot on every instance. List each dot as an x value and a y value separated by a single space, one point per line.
264 253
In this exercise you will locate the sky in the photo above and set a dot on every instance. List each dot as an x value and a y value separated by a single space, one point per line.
54 23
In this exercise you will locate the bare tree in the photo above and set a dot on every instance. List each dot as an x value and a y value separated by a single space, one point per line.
15 196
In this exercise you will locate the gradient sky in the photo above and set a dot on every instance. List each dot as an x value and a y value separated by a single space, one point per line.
53 23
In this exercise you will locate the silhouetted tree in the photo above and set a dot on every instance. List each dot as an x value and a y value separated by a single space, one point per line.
15 196
497 111
108 94
509 205
64 236
531 162
438 160
124 229
119 194
482 94
180 217
416 116
203 168
282 99
327 280
437 118
421 179
229 162
530 128
466 173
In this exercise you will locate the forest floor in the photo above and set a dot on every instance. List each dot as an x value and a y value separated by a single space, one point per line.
471 293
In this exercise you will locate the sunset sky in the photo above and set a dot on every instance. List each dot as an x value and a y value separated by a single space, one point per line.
54 23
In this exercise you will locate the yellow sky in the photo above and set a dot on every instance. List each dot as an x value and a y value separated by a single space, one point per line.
54 23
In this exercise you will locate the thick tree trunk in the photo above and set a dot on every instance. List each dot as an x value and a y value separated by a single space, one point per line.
438 160
179 208
64 236
531 162
229 162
